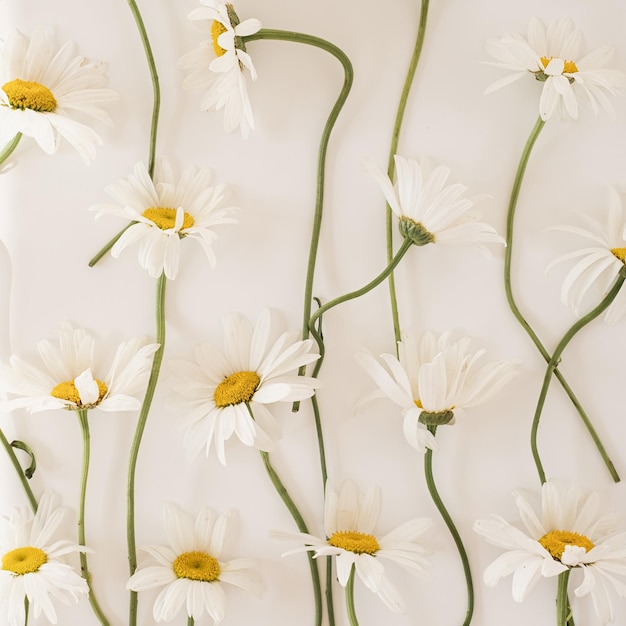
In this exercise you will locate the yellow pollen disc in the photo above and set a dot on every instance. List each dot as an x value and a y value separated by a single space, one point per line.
217 28
556 541
353 541
236 388
25 94
197 566
569 67
68 391
165 218
24 560
620 253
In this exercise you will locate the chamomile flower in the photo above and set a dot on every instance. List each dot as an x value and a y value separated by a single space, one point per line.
191 570
70 380
219 63
568 534
33 565
597 265
350 520
553 56
429 209
44 87
226 393
434 380
165 211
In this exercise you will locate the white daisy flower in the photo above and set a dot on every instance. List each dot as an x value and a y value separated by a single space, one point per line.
33 566
218 64
191 569
433 381
429 210
69 379
226 393
350 520
44 87
167 210
597 266
553 56
567 534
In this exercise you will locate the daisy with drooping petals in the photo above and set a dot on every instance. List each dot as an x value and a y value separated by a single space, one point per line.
167 210
553 56
191 570
568 535
44 87
228 392
433 381
598 265
350 520
218 64
430 210
33 565
69 380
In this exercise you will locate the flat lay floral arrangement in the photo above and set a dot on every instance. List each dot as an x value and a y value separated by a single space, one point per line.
312 316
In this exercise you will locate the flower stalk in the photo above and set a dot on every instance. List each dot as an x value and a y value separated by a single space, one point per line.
8 150
563 609
350 599
19 471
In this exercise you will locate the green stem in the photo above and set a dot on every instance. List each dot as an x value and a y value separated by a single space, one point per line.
5 154
154 124
84 567
20 472
302 527
350 599
391 166
556 357
134 450
434 494
563 610
508 252
190 621
329 591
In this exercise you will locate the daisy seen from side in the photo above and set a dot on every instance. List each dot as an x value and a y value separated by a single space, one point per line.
228 392
46 90
553 55
166 210
33 564
69 378
220 63
568 534
191 569
350 520
433 381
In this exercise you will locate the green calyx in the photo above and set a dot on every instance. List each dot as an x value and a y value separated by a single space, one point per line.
438 418
415 232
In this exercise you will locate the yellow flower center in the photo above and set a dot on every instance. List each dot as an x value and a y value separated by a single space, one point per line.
556 541
24 560
25 94
236 388
67 391
165 218
620 253
353 541
418 403
197 566
569 67
217 28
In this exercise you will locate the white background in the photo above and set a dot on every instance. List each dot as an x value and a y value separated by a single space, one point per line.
49 237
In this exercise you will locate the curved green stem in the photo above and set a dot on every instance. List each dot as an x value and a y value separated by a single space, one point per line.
434 494
134 450
508 252
7 151
302 527
563 609
84 567
154 124
391 166
350 599
20 472
26 610
556 357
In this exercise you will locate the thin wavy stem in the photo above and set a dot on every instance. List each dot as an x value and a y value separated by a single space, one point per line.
556 358
134 450
8 150
350 599
391 166
83 420
508 252
563 609
19 471
434 494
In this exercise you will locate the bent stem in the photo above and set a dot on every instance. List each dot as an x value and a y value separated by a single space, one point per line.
7 151
556 357
508 252
563 609
84 568
391 166
434 494
20 472
350 599
134 450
